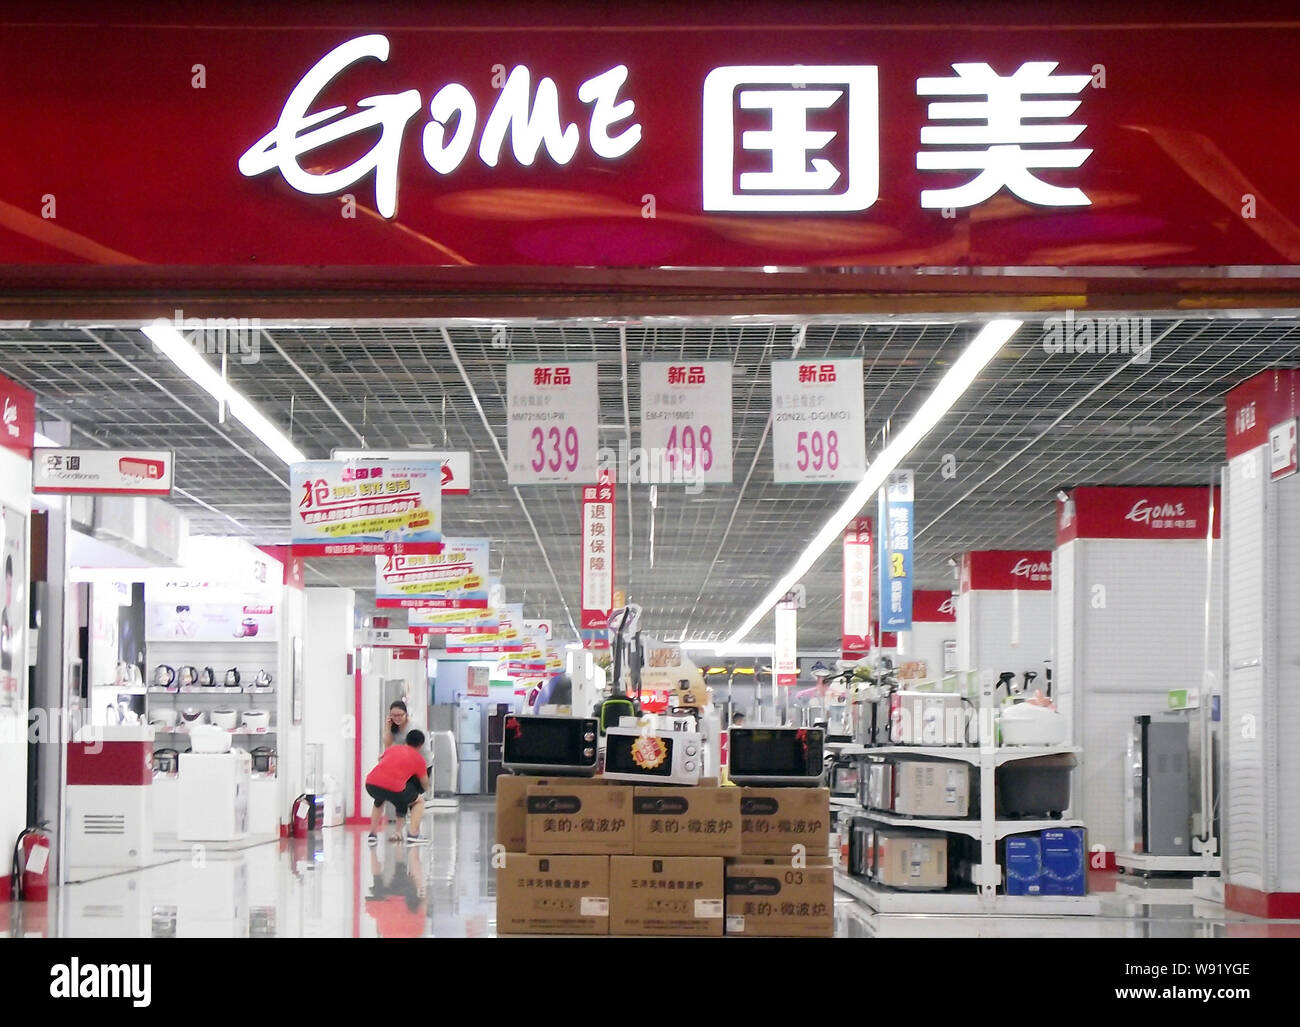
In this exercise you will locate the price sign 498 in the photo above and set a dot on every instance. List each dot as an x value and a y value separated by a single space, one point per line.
816 450
686 449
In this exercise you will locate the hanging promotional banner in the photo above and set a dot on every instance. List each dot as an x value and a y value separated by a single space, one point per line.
896 553
357 508
552 433
686 421
544 628
598 552
595 638
856 630
1006 570
785 663
17 417
103 472
456 464
456 578
507 638
817 421
427 621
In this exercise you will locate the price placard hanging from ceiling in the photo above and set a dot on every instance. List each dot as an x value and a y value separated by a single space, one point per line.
896 553
358 508
817 421
785 664
551 435
427 621
598 552
686 421
856 632
456 578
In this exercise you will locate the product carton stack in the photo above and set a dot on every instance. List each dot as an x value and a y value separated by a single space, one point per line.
582 856
782 884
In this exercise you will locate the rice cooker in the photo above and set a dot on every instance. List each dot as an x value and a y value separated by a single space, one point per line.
256 720
191 716
264 760
205 738
165 717
1026 723
225 719
165 761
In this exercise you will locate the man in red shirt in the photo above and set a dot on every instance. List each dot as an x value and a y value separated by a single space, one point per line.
400 778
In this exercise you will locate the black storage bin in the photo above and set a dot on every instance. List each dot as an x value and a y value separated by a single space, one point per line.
1037 787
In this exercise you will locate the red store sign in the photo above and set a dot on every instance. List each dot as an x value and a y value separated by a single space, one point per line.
1005 570
930 606
627 140
1135 513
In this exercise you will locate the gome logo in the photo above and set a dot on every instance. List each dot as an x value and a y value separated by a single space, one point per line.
103 980
11 417
1143 512
1027 568
949 605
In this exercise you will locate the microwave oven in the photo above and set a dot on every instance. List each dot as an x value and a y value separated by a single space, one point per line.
777 756
927 718
557 746
653 757
845 774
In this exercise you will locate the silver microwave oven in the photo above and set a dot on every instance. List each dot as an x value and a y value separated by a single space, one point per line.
564 746
777 755
653 757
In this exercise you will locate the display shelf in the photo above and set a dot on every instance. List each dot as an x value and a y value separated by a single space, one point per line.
948 825
218 690
966 753
179 730
964 901
1145 863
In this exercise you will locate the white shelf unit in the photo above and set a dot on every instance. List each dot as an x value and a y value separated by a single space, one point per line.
987 829
1145 863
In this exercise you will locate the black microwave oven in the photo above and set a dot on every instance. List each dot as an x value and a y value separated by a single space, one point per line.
777 755
549 745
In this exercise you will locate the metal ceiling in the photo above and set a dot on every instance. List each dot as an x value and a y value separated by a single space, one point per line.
1033 422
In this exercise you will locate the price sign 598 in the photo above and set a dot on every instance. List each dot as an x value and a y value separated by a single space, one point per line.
816 450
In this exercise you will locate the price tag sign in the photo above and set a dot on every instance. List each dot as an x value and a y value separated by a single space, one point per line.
817 421
551 435
686 421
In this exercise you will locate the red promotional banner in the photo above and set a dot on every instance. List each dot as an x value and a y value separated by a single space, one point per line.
934 606
1259 404
603 136
888 640
856 628
17 417
1006 570
598 552
1135 513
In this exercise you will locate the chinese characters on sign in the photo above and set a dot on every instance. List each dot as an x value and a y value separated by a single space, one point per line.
814 144
785 662
856 633
598 552
102 472
456 578
817 421
896 553
357 508
551 435
686 420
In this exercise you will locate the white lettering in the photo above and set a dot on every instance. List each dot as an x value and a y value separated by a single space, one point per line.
529 130
602 90
451 99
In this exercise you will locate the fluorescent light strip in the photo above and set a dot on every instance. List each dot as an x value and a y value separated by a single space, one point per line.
982 349
164 335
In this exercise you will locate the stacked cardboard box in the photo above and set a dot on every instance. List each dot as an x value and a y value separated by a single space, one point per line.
1050 862
583 856
782 885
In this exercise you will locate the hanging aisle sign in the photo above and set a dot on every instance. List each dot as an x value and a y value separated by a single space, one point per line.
360 508
686 421
856 632
598 552
896 553
427 621
456 464
817 421
785 662
552 432
103 472
456 578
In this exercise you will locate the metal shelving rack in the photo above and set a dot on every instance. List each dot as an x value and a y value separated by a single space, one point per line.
987 829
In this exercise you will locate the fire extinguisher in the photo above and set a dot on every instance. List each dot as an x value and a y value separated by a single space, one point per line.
31 867
306 815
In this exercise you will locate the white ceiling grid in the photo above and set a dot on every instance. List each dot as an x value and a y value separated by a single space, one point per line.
1033 422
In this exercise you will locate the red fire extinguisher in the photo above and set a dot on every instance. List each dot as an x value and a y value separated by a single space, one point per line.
306 815
31 868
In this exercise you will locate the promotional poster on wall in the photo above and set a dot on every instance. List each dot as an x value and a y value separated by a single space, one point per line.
212 622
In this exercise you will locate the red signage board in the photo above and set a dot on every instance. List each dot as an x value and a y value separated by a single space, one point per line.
931 606
857 586
598 552
1135 513
1259 404
1007 570
17 417
581 136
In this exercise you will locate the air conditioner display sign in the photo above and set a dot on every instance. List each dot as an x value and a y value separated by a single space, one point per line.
111 472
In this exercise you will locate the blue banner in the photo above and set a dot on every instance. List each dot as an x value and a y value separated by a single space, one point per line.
896 553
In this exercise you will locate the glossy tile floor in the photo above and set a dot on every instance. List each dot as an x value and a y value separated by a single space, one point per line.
336 886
